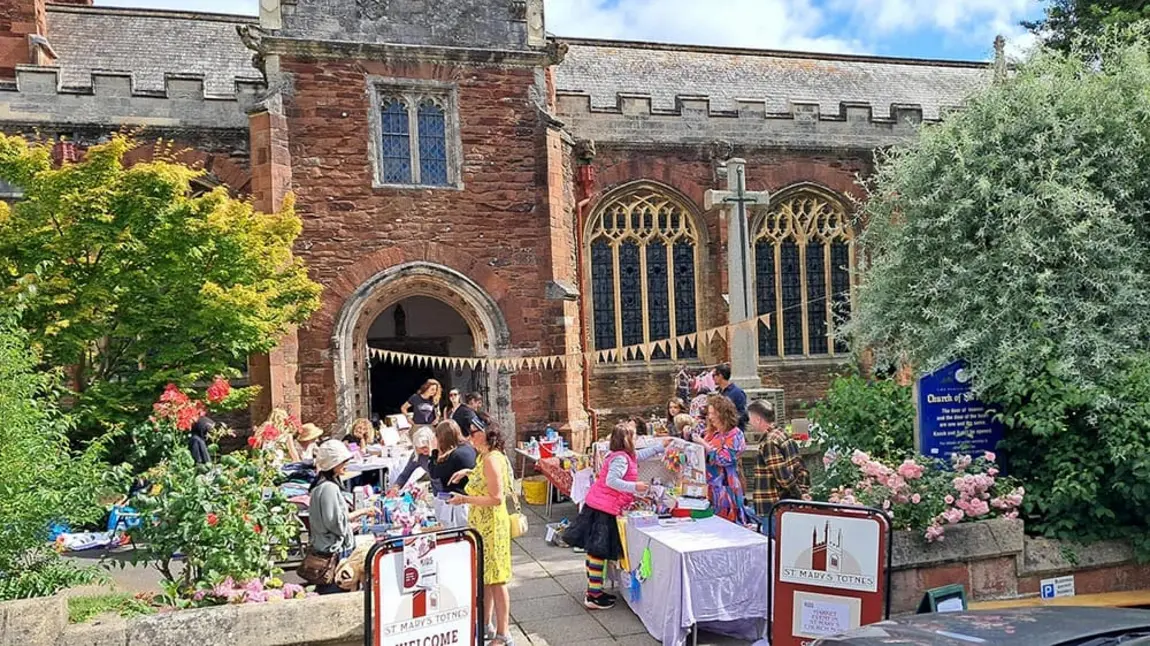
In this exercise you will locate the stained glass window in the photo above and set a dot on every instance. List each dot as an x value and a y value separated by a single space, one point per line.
658 303
686 321
432 144
396 142
803 243
603 293
414 146
765 296
652 240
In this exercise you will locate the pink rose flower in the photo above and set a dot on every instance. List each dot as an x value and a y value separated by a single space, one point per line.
916 499
949 500
989 455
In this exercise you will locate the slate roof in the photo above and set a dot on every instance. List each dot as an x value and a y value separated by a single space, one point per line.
149 44
605 68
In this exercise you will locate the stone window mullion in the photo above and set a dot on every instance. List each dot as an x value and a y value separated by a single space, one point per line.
413 121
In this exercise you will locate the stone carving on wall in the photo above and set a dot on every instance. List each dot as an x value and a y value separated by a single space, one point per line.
252 37
371 9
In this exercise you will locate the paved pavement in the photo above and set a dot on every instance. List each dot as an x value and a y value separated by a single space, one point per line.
547 590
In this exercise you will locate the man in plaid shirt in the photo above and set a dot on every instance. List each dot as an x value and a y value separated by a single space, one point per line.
779 470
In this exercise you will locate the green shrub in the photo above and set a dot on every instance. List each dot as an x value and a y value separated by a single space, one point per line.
873 416
42 481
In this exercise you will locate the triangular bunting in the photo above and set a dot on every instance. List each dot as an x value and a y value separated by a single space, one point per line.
765 320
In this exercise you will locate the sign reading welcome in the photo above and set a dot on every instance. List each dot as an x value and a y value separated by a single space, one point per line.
950 419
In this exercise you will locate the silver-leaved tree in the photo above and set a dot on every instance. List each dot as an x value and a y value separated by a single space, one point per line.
1015 235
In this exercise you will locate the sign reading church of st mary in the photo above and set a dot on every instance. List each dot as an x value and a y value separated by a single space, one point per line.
950 419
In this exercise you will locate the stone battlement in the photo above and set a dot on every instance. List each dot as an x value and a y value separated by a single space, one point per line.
633 120
37 96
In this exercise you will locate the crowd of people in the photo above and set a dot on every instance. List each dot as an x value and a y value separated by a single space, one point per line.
460 449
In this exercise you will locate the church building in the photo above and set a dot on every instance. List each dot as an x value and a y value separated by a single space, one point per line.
472 186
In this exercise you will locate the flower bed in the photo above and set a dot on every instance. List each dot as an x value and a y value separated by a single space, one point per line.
922 494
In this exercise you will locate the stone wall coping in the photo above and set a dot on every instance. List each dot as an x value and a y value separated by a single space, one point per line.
963 542
44 622
45 79
1046 557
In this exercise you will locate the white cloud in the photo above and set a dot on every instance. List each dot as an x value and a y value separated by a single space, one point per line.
970 22
772 24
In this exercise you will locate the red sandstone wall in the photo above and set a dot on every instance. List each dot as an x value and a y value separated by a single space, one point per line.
690 170
496 230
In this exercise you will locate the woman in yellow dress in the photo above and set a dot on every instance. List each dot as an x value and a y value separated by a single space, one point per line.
487 485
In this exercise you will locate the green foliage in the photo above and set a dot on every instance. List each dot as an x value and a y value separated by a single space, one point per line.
874 416
229 521
132 282
42 480
1015 236
81 609
1066 20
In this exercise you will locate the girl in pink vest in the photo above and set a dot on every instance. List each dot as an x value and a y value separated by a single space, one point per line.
596 530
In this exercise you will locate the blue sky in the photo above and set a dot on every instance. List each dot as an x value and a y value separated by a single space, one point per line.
952 29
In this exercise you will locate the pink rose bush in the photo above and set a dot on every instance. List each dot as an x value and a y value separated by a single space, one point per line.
920 493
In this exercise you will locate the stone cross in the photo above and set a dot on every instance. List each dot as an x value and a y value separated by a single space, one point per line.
743 342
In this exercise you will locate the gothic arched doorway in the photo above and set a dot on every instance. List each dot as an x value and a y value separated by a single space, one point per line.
417 307
419 325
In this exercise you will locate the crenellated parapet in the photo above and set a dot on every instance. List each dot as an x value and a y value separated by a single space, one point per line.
634 120
112 100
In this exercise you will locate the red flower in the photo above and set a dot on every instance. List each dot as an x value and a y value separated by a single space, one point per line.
213 520
253 441
219 389
258 529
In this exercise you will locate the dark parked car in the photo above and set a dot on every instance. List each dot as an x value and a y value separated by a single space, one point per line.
1042 626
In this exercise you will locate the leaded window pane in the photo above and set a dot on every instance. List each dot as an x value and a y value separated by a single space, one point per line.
603 294
765 293
686 321
432 144
630 293
841 289
396 142
792 290
817 299
658 301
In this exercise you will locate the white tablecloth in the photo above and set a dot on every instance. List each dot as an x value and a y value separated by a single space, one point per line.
711 572
394 465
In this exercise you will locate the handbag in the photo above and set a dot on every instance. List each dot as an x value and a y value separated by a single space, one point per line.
517 520
318 569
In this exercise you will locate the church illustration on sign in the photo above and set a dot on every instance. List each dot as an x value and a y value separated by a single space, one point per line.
827 555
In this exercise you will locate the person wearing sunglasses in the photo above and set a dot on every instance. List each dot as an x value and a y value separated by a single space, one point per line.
454 401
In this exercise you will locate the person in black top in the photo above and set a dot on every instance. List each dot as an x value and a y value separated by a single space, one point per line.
197 440
466 415
731 391
452 454
424 405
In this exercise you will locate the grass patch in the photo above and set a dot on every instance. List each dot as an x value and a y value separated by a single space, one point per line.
82 609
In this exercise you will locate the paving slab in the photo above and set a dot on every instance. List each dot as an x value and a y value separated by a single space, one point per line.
563 631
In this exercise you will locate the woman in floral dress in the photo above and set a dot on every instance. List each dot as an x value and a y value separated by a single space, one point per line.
487 485
724 443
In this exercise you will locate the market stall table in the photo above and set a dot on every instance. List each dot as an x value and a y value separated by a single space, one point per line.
709 573
389 467
552 470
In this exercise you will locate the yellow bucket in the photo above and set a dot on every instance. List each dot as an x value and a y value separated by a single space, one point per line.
535 490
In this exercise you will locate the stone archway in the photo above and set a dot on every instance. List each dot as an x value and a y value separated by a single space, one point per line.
488 326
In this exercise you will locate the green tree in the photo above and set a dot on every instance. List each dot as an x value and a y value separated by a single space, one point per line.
42 481
1067 19
130 281
874 416
1015 235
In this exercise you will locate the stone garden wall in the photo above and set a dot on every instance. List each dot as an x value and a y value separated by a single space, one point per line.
996 560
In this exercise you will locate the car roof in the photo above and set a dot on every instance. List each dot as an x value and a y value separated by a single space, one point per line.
1039 626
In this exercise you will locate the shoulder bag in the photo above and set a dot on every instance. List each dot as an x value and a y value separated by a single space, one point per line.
318 569
518 520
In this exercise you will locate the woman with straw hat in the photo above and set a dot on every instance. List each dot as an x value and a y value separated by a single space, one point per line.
302 447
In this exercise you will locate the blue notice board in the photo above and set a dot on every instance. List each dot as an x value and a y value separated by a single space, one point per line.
949 417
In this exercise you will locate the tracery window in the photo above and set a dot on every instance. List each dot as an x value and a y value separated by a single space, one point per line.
804 251
642 251
416 136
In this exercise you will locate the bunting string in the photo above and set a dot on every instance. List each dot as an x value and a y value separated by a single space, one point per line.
637 352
